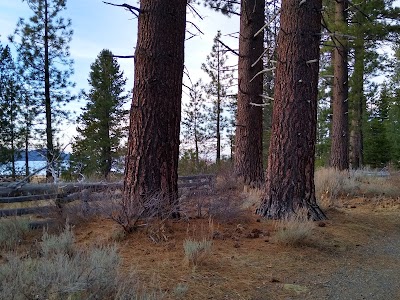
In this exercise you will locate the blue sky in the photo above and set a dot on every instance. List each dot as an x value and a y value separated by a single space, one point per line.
99 26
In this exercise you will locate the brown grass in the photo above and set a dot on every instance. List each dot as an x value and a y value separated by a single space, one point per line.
248 259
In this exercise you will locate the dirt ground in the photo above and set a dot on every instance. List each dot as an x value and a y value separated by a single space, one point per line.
355 254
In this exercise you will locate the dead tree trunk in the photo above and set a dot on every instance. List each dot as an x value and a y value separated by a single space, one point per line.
290 171
153 144
248 146
340 121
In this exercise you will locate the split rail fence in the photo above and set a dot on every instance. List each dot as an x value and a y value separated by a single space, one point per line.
58 195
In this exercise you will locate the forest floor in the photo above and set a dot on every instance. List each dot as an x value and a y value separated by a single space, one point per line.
355 254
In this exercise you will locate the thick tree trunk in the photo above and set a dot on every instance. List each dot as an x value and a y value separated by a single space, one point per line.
249 123
357 106
340 121
49 130
153 144
290 171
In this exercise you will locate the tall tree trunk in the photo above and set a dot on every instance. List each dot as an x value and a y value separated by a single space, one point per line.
357 106
196 145
249 124
153 143
49 131
290 171
218 158
13 150
340 121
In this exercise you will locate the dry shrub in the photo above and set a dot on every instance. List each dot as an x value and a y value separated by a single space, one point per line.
228 207
198 245
58 274
131 215
62 243
12 231
330 184
196 251
252 197
227 181
295 229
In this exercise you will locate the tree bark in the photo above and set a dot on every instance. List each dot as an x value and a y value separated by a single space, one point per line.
153 143
290 171
218 158
357 106
249 124
49 130
340 121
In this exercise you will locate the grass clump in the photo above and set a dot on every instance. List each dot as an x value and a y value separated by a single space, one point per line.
12 231
330 184
196 251
62 243
295 229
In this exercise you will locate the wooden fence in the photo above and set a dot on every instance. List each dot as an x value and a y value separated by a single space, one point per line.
60 194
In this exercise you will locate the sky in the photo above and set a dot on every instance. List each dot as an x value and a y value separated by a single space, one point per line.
99 26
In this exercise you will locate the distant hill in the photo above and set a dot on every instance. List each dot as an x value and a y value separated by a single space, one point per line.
38 155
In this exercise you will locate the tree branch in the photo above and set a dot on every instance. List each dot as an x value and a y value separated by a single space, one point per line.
123 56
134 10
229 48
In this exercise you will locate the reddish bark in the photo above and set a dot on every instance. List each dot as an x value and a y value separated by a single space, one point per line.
153 144
248 146
340 121
290 171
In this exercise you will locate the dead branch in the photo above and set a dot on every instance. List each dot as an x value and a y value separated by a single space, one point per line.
229 48
262 72
134 10
123 56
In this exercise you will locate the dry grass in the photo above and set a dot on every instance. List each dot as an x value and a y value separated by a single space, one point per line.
331 185
248 260
295 229
196 251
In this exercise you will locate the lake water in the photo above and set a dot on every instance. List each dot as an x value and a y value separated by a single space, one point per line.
5 169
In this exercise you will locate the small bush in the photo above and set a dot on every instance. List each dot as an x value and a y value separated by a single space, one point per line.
196 251
330 184
294 229
12 231
62 243
90 274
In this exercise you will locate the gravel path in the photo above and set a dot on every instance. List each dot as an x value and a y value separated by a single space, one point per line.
375 277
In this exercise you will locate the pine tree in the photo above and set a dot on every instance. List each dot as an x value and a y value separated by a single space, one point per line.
291 161
42 45
371 22
221 79
249 127
10 110
101 126
153 144
194 122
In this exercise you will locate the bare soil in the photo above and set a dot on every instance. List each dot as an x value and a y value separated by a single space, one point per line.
353 255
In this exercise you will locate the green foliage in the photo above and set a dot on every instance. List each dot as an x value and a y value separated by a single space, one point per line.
102 125
11 105
42 43
189 164
226 7
194 121
221 78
